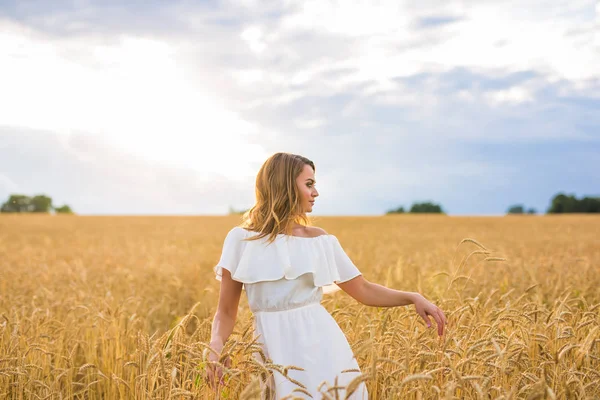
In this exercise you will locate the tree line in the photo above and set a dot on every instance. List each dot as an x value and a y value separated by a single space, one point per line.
20 203
426 207
560 203
563 203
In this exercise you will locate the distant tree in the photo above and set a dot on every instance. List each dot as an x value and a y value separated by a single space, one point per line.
63 210
426 207
17 203
559 204
20 203
41 204
516 209
399 210
520 209
590 204
562 203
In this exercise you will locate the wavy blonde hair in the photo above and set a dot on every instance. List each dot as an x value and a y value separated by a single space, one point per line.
278 204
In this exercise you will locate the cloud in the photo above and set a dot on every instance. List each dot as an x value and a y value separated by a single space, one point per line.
129 89
395 102
436 21
93 177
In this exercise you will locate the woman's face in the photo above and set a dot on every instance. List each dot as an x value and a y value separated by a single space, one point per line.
306 186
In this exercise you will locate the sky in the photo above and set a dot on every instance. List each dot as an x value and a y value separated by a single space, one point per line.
171 107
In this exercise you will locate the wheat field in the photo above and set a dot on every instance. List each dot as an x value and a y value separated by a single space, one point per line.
121 307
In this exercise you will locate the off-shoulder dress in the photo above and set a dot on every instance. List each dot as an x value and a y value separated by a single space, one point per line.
284 284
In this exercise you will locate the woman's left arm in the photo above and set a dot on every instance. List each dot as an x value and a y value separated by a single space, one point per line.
372 294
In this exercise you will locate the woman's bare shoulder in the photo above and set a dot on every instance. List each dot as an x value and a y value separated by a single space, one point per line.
314 231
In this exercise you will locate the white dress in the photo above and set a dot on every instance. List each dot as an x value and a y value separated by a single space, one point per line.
284 284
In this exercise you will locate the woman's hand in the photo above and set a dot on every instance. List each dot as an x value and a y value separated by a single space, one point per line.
214 372
425 308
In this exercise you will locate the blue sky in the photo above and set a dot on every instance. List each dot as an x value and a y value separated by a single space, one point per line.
171 107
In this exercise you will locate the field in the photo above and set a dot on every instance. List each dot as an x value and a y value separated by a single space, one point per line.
121 307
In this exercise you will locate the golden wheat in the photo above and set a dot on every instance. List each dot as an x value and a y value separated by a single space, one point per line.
121 307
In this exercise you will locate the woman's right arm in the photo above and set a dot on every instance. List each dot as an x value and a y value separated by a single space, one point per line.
224 320
229 299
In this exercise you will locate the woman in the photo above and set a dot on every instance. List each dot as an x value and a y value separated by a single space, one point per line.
284 264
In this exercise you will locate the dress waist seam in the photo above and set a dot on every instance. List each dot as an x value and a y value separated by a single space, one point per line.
288 308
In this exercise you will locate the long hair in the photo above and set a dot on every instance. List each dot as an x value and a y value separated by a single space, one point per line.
278 204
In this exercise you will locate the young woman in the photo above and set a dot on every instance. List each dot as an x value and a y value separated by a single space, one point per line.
284 264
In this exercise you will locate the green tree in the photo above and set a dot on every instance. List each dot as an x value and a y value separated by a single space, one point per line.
426 207
17 203
590 204
562 203
532 211
41 204
399 210
516 209
558 204
65 209
20 203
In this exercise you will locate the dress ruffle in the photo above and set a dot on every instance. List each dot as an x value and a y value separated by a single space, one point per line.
257 260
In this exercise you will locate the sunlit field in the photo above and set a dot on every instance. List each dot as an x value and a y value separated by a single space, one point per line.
121 307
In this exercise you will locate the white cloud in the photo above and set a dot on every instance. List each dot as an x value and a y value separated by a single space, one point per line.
249 76
385 40
130 89
93 176
354 19
397 91
309 123
514 95
254 38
